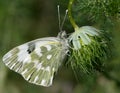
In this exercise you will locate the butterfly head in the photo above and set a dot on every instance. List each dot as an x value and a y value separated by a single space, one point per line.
62 35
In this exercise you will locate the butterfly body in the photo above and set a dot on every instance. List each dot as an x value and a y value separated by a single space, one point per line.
38 60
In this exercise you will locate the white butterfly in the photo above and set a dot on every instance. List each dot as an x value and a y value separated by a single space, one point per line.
38 60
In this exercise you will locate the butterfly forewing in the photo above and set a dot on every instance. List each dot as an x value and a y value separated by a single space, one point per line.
38 60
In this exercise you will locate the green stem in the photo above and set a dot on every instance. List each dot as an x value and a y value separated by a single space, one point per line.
70 14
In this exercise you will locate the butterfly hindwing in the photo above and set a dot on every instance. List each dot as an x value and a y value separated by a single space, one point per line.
38 60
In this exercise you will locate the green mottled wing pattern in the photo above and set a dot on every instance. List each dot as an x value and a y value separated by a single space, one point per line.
38 60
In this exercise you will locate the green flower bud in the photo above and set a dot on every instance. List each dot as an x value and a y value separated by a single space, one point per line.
89 48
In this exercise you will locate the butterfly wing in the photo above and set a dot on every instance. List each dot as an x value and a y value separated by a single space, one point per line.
38 60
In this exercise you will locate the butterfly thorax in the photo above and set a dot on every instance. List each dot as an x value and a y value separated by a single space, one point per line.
63 37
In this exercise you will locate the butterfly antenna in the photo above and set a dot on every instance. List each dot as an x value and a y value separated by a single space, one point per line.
58 7
66 12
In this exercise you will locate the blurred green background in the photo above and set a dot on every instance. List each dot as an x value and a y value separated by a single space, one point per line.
25 20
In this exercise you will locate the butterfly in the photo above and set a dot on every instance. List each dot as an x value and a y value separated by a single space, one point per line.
38 60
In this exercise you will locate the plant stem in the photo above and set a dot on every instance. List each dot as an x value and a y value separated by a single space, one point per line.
70 14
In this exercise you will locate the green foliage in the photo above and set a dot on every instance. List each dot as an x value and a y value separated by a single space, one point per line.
96 10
